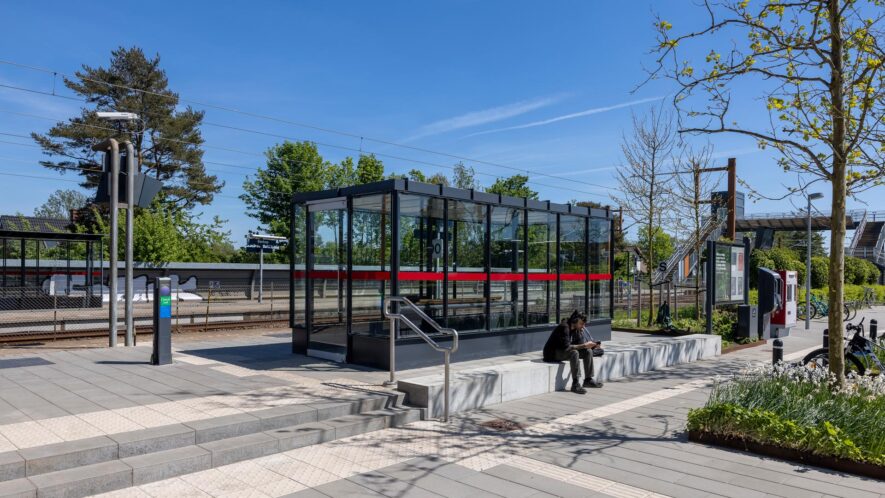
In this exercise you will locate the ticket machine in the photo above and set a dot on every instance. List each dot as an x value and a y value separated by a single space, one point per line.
784 319
771 300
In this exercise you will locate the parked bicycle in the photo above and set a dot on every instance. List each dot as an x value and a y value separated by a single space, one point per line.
861 354
820 308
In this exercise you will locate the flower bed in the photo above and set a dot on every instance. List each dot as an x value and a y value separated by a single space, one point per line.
792 412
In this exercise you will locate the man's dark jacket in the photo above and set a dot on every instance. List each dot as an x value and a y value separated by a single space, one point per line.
558 342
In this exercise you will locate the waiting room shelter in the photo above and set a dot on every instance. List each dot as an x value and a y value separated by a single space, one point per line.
500 270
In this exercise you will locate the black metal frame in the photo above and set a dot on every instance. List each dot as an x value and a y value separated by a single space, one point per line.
66 238
362 349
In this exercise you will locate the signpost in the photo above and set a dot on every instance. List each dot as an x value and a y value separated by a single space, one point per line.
262 243
162 354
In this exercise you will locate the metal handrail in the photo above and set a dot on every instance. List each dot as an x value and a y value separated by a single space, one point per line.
858 234
446 351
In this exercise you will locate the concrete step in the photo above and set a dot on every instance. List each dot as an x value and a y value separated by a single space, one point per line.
94 478
475 384
78 453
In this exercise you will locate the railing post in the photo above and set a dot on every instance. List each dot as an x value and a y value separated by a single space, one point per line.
392 354
446 388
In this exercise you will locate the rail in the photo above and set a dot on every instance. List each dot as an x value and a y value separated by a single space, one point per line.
446 351
858 234
686 248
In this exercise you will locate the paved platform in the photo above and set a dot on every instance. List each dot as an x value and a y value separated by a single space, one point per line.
623 440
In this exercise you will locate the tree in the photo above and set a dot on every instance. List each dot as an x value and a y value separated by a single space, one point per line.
164 234
60 204
167 141
514 186
644 183
464 176
291 167
692 191
817 67
369 169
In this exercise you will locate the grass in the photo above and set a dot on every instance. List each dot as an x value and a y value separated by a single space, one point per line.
798 408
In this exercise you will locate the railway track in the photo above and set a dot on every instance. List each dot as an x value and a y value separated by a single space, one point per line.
26 337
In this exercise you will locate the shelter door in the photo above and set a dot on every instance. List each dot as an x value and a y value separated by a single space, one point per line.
327 271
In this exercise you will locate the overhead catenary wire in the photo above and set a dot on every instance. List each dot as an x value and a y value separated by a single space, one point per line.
323 129
258 154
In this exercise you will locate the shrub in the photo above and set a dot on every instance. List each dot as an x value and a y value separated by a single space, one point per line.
820 271
799 408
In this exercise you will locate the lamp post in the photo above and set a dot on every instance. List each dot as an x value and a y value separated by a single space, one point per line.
811 197
130 209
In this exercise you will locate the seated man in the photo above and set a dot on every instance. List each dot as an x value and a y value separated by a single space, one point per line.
567 342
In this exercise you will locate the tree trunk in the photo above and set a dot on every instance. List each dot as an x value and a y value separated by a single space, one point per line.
837 237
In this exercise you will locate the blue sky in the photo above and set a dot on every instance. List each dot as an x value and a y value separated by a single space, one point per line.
545 87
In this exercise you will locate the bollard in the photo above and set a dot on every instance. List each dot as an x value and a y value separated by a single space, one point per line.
777 352
874 329
826 338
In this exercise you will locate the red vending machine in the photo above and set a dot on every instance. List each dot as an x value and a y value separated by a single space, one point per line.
784 319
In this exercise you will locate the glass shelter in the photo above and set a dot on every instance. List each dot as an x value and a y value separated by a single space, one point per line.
500 270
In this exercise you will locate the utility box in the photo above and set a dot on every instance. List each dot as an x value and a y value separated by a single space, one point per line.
748 321
162 354
770 300
784 319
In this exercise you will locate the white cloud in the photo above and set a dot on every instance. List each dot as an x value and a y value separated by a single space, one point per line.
482 117
587 112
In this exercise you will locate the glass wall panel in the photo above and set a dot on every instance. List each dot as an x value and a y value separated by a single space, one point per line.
421 233
507 277
573 268
371 263
328 274
467 266
299 239
600 272
541 296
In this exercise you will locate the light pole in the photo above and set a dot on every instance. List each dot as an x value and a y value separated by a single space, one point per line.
811 197
130 209
110 146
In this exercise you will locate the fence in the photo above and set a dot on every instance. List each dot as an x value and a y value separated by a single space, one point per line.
38 314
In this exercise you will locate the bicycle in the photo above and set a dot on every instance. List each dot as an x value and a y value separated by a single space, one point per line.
861 354
820 308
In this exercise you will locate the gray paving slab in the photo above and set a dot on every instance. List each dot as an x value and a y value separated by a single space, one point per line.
434 482
479 480
306 493
12 466
290 438
540 483
213 429
631 478
346 489
68 454
239 448
84 481
388 486
170 463
19 488
152 439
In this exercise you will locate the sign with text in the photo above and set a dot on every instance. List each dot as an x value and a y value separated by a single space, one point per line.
728 267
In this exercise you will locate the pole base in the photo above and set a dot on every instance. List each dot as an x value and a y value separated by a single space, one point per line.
389 383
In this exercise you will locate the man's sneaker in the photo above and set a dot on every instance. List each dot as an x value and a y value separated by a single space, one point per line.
592 383
577 389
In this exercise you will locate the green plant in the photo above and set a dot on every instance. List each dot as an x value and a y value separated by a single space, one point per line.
768 427
799 408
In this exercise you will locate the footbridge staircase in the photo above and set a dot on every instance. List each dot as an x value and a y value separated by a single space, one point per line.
664 274
868 241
